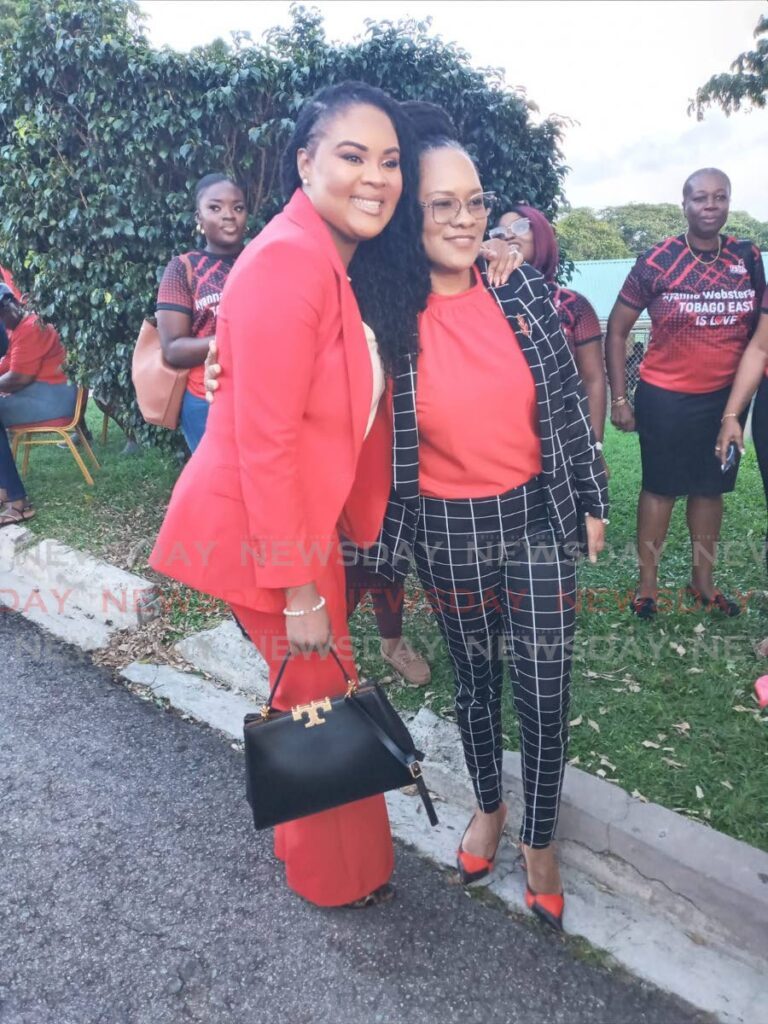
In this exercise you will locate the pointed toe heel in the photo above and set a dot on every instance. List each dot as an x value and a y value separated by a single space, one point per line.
547 906
472 867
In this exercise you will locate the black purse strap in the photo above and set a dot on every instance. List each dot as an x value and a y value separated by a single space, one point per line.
408 758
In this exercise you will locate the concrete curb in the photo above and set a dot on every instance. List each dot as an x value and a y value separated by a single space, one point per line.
724 879
70 593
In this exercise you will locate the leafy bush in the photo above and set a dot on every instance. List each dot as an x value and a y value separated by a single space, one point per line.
102 138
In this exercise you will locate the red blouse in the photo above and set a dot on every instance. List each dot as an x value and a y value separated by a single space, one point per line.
475 400
36 350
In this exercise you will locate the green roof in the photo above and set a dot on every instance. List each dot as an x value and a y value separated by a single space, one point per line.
601 281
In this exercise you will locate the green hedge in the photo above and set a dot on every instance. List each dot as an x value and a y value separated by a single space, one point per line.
102 138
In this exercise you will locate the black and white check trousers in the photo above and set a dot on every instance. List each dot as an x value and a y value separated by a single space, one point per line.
502 589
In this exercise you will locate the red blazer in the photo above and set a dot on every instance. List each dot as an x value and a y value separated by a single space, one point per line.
282 462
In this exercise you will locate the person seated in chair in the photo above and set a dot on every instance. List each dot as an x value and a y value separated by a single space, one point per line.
33 389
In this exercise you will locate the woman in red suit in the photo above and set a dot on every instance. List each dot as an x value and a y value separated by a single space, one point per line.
300 443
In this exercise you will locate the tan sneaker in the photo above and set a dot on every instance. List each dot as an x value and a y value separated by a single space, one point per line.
408 663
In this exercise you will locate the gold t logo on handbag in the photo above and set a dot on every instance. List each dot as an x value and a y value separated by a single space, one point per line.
312 711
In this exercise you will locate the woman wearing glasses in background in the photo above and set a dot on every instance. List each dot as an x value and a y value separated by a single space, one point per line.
529 232
492 447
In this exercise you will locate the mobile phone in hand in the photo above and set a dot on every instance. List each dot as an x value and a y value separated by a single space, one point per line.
730 458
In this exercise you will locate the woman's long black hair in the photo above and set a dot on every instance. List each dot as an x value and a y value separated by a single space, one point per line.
389 273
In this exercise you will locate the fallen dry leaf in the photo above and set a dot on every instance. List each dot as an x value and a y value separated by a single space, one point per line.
699 793
700 628
682 727
726 783
671 763
650 745
593 724
639 796
576 721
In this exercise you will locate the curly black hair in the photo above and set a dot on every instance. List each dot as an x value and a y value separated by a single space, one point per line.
389 273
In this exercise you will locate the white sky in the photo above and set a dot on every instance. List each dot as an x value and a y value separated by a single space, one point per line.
622 69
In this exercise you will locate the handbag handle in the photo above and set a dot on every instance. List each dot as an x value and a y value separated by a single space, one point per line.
267 709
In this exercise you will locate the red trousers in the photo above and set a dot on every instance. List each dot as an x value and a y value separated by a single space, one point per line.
340 855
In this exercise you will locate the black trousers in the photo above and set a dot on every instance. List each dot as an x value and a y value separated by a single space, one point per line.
502 589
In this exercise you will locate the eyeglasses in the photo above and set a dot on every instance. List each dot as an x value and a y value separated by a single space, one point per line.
444 210
509 231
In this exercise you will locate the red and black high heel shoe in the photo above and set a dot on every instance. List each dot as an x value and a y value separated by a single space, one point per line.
472 867
547 906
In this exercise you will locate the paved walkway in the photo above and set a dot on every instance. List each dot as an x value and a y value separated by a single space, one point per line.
134 891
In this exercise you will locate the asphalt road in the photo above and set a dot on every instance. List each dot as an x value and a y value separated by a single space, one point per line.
133 890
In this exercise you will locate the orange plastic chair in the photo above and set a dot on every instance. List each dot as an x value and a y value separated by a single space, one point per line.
27 435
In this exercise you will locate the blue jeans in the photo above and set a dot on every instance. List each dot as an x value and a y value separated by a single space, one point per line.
37 402
194 416
10 481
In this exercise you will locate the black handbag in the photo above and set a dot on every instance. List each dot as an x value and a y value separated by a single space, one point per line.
327 753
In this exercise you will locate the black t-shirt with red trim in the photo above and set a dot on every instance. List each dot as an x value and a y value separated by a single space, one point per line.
703 311
578 319
192 283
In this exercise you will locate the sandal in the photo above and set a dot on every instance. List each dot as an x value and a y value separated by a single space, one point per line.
644 608
12 516
718 601
408 663
383 894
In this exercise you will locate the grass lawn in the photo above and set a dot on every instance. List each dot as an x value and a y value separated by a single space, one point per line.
664 709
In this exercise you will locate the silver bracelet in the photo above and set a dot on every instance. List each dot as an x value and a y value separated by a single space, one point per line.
307 611
605 522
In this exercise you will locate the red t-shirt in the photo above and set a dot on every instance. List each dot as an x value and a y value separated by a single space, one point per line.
578 320
475 400
702 314
35 349
196 291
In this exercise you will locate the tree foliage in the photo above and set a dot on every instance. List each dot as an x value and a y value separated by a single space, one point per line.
642 225
584 236
620 232
102 138
745 85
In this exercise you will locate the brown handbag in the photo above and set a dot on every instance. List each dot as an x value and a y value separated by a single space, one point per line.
159 387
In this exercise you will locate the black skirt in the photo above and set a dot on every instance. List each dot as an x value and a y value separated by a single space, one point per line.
678 432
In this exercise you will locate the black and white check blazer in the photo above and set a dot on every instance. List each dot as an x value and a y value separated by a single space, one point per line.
571 468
